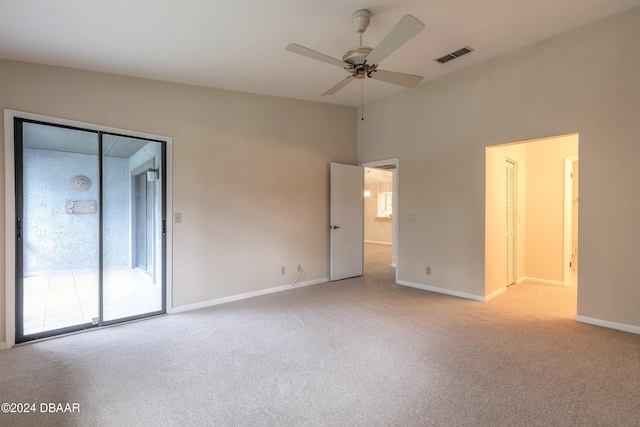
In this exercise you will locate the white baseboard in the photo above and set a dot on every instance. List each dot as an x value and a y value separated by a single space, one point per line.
3 345
543 281
495 293
520 280
378 243
442 290
607 324
224 300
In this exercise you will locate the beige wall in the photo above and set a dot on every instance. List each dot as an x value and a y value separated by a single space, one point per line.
230 150
376 229
545 207
584 81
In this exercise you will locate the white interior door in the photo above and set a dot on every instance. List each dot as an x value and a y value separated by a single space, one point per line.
346 221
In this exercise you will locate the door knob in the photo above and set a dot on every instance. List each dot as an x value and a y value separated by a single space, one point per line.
333 227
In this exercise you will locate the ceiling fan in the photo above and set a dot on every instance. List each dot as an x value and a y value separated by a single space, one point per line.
363 61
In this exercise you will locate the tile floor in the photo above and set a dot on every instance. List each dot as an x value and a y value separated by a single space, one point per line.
55 300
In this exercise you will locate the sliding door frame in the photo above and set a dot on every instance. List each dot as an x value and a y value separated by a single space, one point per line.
10 208
18 193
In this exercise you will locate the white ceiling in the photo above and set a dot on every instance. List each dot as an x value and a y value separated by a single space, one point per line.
239 45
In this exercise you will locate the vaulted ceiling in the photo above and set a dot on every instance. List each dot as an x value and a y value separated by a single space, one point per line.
240 45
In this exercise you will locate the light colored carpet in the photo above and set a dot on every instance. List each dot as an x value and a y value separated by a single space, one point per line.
362 351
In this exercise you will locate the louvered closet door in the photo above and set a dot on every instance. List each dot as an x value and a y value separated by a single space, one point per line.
510 221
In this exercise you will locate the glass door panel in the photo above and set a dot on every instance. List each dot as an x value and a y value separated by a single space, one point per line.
57 212
133 227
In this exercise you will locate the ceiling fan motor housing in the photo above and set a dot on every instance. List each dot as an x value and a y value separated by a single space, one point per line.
357 57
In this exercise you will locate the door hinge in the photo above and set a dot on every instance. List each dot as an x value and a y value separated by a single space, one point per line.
18 228
569 264
164 226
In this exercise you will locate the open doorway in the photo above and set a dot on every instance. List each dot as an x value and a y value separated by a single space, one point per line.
378 217
143 200
380 214
531 213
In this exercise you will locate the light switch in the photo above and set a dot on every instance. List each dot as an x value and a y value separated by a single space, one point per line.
178 217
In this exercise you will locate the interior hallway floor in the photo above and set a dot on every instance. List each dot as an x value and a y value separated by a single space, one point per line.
377 257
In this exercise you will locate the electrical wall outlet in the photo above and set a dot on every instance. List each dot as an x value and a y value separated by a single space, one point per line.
299 268
282 270
428 270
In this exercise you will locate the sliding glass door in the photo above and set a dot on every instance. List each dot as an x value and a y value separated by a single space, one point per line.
90 229
133 227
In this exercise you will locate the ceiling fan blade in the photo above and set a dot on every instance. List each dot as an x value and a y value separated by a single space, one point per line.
301 50
401 79
342 83
406 29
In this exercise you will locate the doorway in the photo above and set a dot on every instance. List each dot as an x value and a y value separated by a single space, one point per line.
141 222
540 226
143 199
76 225
381 214
346 217
378 217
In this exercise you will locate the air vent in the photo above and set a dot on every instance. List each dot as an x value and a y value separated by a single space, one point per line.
453 55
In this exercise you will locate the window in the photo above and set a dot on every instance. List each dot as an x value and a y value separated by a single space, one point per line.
385 204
